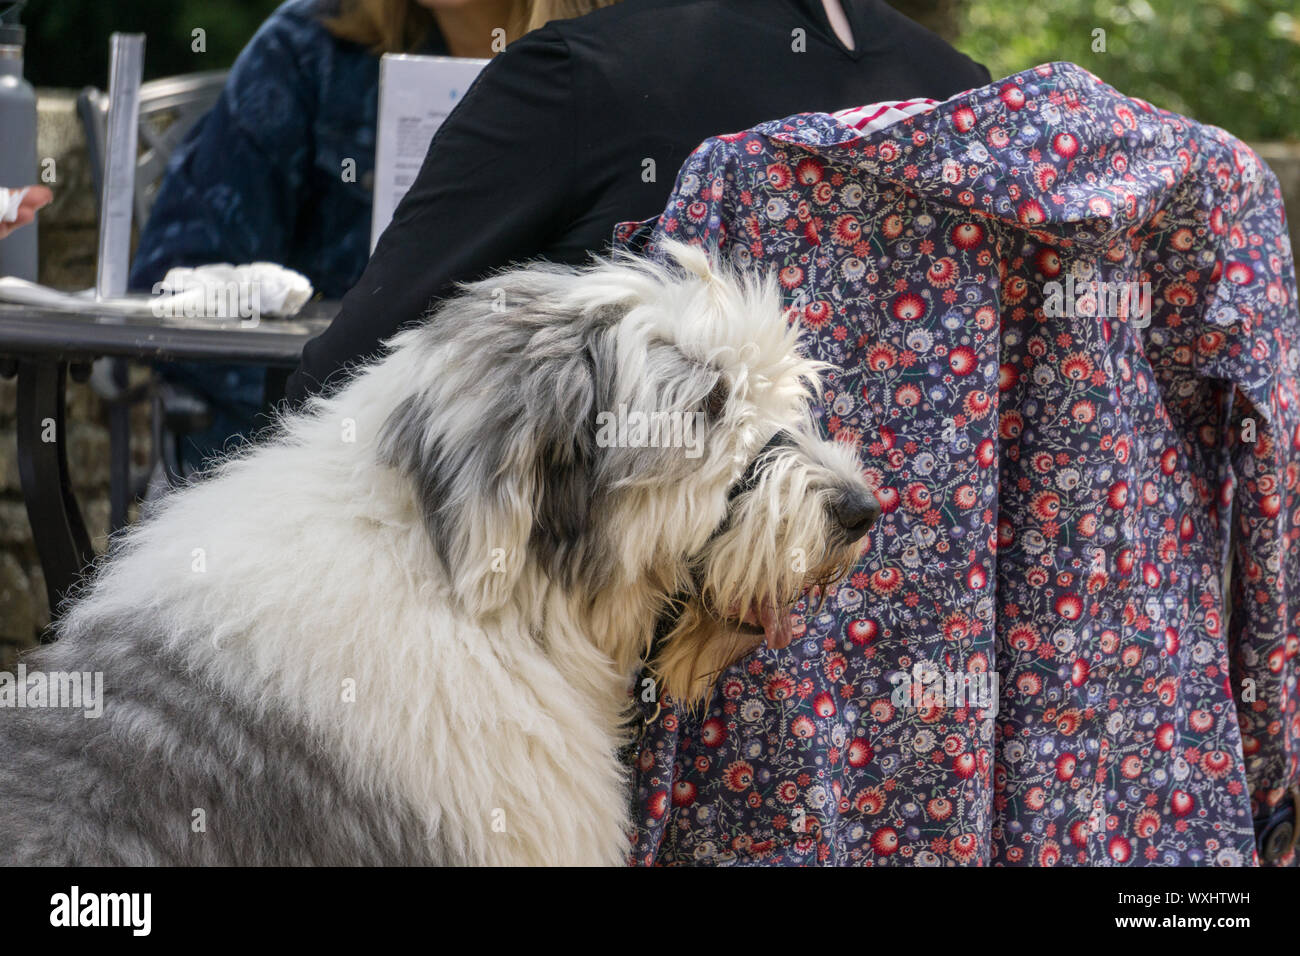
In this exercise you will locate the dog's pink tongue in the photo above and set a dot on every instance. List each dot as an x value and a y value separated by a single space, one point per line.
776 626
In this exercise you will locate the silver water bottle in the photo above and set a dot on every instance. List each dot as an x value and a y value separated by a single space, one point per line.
17 140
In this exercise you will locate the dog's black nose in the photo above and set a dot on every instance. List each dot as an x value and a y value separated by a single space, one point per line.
856 513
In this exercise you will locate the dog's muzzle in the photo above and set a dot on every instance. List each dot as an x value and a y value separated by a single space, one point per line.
854 514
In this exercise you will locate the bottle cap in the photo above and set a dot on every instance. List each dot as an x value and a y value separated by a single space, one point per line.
12 33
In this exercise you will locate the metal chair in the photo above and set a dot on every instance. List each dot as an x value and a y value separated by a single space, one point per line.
169 108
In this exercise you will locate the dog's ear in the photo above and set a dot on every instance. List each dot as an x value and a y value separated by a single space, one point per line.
502 448
565 451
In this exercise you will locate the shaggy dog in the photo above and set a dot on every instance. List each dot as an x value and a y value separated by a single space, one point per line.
403 630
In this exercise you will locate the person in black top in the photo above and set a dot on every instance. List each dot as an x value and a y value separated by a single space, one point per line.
548 149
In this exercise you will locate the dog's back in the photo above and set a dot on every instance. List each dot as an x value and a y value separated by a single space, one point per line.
175 772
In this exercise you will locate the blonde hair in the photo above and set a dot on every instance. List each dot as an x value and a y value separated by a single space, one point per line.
401 26
543 12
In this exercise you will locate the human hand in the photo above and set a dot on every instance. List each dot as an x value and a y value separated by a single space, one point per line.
37 197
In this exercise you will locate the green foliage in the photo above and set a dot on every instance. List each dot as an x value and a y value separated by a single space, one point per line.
67 40
1233 63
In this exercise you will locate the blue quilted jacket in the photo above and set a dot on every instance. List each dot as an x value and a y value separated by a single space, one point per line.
261 178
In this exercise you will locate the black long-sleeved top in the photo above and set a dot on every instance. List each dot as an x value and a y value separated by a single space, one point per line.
546 151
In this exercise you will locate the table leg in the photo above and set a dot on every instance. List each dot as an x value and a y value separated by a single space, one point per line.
120 491
57 527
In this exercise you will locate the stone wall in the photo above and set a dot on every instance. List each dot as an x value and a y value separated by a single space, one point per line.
67 250
67 246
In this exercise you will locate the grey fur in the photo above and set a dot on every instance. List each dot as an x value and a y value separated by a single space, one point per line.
544 387
121 789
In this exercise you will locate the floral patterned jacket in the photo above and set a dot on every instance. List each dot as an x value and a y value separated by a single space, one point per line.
1039 659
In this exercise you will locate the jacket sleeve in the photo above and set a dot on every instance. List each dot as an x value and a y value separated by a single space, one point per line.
234 186
496 186
1255 303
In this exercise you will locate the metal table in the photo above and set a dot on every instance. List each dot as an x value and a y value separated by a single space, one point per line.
39 345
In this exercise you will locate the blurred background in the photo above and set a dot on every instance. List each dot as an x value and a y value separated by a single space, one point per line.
1234 63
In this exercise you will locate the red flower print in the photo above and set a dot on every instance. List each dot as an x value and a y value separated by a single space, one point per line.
1069 607
791 277
1046 505
779 687
942 272
815 314
1065 145
1029 685
1076 367
1117 497
1079 831
1049 262
1146 823
881 358
684 793
908 396
967 235
1013 96
860 752
1216 763
863 631
885 841
738 776
1180 294
780 176
1031 212
847 230
965 497
1044 176
1119 849
1065 765
886 580
961 360
809 171
916 497
1100 206
713 733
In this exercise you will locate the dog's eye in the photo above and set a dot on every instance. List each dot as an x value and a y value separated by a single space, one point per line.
716 403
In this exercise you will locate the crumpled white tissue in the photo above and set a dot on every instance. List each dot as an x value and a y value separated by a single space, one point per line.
10 200
222 290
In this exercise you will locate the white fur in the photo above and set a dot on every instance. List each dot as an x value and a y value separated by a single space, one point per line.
487 697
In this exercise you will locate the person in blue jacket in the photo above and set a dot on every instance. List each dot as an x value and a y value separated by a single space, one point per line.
261 176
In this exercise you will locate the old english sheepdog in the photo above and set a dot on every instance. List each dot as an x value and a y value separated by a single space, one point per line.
404 628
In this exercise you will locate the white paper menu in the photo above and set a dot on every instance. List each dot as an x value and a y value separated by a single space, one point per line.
416 93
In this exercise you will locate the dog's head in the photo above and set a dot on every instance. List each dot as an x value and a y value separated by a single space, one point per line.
637 435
